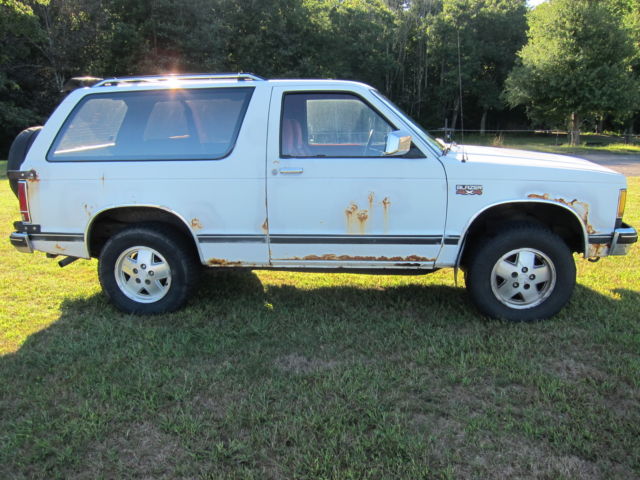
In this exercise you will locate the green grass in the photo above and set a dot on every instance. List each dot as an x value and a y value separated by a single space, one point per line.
542 142
283 375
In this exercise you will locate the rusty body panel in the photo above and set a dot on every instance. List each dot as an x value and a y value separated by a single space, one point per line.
33 177
356 219
353 213
581 208
196 224
598 250
386 204
410 260
221 262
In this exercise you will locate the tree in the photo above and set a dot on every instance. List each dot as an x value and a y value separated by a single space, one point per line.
443 45
18 108
575 65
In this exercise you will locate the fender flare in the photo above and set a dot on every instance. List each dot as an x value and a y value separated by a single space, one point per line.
470 222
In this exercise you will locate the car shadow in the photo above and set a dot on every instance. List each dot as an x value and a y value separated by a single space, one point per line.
75 390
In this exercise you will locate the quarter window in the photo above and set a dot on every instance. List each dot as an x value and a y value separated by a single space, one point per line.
331 125
153 125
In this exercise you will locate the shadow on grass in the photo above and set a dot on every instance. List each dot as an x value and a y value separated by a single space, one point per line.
212 387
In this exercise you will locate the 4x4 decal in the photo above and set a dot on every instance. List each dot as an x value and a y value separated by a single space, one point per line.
468 189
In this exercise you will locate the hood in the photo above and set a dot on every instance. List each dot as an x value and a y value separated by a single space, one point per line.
521 158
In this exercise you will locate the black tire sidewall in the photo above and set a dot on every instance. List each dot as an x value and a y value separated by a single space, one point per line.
172 247
18 152
485 257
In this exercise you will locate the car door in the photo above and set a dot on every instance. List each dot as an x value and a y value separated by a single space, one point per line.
334 198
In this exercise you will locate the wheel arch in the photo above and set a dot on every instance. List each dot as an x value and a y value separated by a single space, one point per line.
111 220
560 219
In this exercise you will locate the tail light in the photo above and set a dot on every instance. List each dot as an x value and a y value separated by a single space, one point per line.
24 203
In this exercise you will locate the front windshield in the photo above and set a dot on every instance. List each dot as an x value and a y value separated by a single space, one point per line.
433 143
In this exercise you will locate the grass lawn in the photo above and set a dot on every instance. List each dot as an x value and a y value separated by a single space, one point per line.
542 142
271 375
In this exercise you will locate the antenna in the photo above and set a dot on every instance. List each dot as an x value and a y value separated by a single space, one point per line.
460 89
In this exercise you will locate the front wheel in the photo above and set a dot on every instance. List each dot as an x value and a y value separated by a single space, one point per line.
147 270
526 273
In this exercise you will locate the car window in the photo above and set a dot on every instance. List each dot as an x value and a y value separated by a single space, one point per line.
331 125
153 125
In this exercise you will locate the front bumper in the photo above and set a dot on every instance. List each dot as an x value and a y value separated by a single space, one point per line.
623 238
21 242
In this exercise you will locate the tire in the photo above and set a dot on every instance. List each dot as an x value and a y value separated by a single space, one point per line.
148 269
18 152
526 273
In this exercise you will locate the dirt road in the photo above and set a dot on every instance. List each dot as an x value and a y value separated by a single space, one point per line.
627 164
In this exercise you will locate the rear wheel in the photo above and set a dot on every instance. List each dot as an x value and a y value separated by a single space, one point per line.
147 270
526 273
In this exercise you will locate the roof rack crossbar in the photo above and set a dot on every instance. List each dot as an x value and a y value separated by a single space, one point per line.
109 82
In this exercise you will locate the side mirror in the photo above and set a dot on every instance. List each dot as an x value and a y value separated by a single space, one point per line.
398 143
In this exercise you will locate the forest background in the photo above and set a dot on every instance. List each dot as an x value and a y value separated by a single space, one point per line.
472 64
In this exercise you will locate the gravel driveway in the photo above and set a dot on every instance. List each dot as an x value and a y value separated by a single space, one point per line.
628 164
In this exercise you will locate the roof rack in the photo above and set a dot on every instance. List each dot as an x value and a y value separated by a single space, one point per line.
110 82
79 82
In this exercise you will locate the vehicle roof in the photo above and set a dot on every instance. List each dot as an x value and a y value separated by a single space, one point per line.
217 79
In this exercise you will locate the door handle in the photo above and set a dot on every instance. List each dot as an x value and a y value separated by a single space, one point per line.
291 170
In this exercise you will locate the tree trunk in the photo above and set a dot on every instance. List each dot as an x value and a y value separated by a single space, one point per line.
483 121
574 129
628 132
600 124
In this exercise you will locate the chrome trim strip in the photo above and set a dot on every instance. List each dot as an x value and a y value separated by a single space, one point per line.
57 237
232 238
21 242
358 239
623 238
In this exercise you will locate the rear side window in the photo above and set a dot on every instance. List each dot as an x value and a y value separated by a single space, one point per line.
153 125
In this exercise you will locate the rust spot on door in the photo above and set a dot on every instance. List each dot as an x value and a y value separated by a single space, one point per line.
363 216
265 226
581 208
386 203
221 262
59 247
372 199
353 214
196 224
350 210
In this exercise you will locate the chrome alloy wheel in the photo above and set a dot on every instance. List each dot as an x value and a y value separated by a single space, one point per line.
523 278
142 274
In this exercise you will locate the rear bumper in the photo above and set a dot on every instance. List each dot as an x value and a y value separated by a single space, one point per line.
21 242
623 238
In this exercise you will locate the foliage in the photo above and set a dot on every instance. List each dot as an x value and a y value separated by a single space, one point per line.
17 23
406 48
575 64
